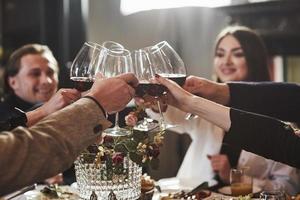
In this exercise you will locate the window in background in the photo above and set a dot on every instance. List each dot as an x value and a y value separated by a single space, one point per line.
132 6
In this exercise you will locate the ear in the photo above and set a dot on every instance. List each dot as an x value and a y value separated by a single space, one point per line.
13 83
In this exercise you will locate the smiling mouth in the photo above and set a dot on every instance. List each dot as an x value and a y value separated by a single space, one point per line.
228 71
43 91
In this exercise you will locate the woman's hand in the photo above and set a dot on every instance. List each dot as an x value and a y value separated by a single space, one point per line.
220 164
151 102
176 95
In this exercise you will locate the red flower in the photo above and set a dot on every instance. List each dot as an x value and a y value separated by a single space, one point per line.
118 158
153 150
108 139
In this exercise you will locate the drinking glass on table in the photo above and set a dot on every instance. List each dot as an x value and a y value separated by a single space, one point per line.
240 183
117 61
86 64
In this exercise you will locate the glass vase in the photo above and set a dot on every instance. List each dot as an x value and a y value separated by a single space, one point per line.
103 178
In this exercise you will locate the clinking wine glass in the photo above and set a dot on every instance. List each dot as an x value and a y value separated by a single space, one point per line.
144 73
117 61
174 67
86 64
112 45
165 62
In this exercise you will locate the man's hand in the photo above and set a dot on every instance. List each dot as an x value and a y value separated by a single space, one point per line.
62 98
220 164
217 92
114 93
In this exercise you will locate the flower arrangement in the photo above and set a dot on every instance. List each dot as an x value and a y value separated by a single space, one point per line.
140 146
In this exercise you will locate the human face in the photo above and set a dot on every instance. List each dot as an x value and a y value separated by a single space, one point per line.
229 61
36 80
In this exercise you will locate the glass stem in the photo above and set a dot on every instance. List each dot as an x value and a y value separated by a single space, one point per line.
117 121
162 119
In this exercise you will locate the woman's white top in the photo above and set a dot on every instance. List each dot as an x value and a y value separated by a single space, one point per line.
207 139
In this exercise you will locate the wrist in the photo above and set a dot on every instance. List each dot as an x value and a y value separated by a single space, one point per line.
35 115
96 101
223 94
190 100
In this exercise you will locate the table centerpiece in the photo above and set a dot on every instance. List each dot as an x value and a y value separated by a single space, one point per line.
113 168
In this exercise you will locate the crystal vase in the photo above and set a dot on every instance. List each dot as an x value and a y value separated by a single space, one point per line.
105 178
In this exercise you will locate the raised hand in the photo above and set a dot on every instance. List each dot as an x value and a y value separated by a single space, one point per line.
62 98
177 96
114 93
217 92
151 102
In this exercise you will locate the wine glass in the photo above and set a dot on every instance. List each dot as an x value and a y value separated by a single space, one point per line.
166 62
173 66
144 73
117 61
111 45
86 64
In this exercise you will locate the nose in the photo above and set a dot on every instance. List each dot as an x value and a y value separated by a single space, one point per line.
45 79
227 59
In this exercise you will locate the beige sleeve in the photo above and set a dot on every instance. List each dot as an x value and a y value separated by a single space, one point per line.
31 154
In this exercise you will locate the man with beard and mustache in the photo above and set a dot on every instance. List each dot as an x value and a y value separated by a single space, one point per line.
31 79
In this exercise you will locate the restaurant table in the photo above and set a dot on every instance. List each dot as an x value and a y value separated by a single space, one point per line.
167 186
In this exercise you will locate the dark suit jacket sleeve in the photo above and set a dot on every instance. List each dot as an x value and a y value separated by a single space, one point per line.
32 154
279 100
264 136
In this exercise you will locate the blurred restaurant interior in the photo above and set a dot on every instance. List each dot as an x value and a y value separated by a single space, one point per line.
191 28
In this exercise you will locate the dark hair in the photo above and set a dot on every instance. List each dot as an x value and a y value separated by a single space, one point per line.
14 62
254 49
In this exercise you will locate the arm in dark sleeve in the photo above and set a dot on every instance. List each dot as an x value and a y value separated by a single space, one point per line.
264 136
279 100
12 119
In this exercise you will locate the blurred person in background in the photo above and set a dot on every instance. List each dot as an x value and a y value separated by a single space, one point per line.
240 55
31 79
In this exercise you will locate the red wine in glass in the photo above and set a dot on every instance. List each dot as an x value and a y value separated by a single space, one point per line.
82 83
152 89
177 78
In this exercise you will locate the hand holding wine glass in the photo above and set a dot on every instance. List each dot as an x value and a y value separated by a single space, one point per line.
167 63
171 64
147 91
